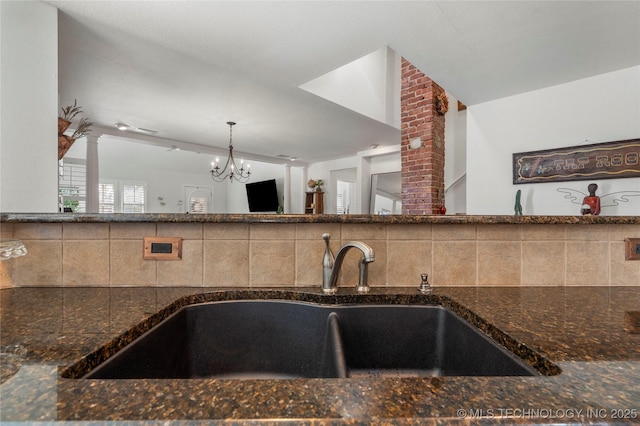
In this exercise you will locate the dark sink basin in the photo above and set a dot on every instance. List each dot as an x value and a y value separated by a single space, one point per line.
284 339
421 341
240 339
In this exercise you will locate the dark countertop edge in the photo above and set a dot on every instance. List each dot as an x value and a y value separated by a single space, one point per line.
303 218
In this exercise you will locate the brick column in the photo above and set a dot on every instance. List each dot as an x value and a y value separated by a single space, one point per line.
422 167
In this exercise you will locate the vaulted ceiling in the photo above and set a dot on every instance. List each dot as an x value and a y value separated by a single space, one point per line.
185 68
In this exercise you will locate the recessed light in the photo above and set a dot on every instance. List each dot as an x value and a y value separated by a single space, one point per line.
122 126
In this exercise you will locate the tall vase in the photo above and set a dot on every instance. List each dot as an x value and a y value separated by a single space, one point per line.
64 143
63 125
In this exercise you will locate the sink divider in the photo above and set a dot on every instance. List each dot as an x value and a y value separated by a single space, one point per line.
334 362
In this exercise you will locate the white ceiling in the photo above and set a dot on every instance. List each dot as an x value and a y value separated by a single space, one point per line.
184 68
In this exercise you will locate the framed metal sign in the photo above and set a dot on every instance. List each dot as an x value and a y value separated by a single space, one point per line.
609 160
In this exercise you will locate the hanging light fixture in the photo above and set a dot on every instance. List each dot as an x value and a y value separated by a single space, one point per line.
238 173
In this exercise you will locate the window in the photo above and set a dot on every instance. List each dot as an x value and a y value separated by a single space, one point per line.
198 205
199 198
133 198
340 203
122 197
344 192
106 198
72 184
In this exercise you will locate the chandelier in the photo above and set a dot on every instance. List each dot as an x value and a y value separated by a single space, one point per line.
234 172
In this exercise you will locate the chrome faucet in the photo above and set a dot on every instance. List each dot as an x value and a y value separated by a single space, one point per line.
331 266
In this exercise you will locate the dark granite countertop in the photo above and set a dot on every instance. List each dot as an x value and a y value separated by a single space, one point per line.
305 218
578 329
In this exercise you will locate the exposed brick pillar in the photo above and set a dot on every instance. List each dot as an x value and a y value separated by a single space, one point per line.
422 167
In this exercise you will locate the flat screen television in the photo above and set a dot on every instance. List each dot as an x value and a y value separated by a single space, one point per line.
262 196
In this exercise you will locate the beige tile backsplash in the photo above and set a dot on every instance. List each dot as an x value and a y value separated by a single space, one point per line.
41 266
127 267
185 272
85 262
455 262
272 262
499 262
271 255
544 263
587 262
85 231
226 263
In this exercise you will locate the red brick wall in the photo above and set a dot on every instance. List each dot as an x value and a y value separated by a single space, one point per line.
422 168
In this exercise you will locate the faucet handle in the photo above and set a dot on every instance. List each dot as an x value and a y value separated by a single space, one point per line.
327 266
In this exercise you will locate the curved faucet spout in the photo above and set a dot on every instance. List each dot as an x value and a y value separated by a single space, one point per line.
367 252
330 281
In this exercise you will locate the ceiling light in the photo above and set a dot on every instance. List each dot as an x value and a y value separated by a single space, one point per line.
122 126
287 157
143 130
239 174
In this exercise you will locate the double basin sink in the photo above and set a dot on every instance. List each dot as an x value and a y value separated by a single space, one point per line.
281 339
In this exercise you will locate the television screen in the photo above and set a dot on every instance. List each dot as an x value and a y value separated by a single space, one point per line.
262 196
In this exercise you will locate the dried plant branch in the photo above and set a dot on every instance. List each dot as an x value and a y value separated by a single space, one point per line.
84 127
69 112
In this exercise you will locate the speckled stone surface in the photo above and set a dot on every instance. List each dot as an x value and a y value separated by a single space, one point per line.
632 322
579 329
303 218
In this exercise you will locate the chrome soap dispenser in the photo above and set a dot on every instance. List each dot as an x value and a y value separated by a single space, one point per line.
425 287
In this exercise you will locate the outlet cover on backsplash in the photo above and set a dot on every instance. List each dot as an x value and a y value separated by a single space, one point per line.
632 248
162 248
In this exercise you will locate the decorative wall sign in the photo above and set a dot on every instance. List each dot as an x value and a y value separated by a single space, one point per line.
609 160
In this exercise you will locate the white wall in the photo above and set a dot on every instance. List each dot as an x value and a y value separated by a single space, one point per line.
28 111
298 188
603 108
455 158
385 163
322 170
166 172
382 160
369 86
